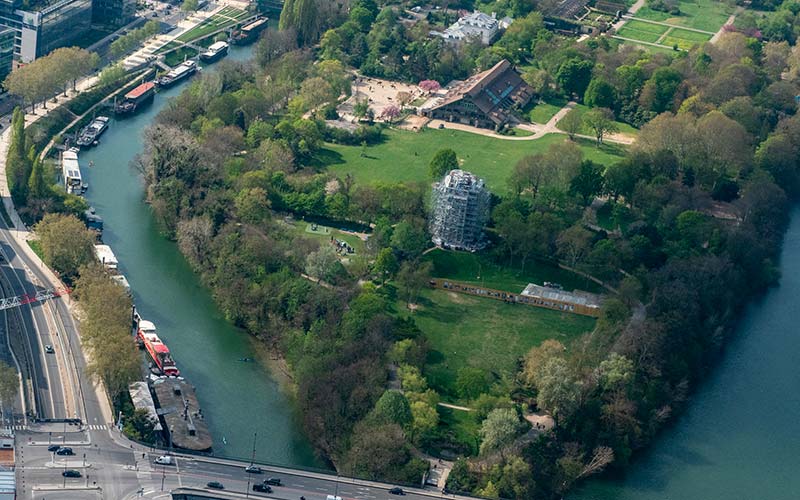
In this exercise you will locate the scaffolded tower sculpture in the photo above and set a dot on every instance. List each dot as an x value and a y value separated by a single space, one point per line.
460 211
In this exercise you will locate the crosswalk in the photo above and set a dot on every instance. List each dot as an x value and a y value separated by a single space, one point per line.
22 427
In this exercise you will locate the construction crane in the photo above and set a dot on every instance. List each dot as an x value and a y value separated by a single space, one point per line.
41 296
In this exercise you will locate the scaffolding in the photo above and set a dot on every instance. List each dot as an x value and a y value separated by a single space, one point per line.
460 211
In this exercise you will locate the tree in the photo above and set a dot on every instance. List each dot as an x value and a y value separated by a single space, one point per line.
323 264
601 121
588 183
425 420
537 357
66 243
471 382
194 239
599 94
390 113
429 85
252 205
559 392
189 5
37 187
386 264
573 244
442 162
573 76
658 93
409 239
392 408
616 371
412 277
571 123
499 429
140 426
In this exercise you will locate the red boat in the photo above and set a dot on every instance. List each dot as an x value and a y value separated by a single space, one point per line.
158 350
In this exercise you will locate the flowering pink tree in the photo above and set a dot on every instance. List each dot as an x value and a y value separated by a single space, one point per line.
390 113
429 85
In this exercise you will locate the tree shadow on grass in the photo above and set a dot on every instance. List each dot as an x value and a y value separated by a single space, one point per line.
326 157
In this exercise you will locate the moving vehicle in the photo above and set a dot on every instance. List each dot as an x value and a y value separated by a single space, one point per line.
215 485
274 481
215 52
249 32
332 497
165 460
137 97
53 447
158 350
65 451
397 491
253 469
263 488
49 349
71 172
92 132
71 473
178 73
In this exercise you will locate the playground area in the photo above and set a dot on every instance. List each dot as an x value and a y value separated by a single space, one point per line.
379 94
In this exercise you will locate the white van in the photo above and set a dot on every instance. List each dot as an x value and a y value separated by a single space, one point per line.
331 497
165 460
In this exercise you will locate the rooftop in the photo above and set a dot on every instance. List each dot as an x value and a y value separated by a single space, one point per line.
576 297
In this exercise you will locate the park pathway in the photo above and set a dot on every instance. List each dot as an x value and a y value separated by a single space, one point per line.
631 12
730 20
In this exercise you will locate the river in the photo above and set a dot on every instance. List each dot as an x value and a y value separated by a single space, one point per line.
740 436
239 399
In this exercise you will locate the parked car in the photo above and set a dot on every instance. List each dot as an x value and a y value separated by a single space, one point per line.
215 485
274 481
397 491
71 473
253 469
49 349
263 488
64 450
53 447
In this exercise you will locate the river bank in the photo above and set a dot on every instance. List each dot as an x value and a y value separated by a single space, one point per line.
738 437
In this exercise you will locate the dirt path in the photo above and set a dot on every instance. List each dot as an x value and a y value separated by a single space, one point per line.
455 407
730 20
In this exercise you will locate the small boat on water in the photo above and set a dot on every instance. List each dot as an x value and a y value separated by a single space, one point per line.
249 32
182 71
89 135
137 97
215 52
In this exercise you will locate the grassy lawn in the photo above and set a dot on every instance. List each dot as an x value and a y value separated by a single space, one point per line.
684 39
36 246
541 113
176 57
465 331
303 228
645 32
624 128
707 15
479 268
404 156
224 18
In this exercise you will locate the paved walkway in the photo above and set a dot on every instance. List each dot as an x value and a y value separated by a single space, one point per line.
455 407
537 129
632 11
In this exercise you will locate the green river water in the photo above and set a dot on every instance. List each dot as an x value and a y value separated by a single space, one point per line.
238 398
739 438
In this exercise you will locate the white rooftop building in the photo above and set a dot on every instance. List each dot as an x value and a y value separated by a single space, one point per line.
475 25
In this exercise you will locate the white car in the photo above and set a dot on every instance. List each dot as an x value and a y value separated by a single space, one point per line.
164 460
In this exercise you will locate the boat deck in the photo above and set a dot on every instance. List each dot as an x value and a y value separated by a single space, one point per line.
182 415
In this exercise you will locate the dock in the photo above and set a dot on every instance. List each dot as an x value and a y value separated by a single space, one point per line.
177 405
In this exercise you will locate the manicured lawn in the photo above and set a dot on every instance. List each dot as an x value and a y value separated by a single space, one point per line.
224 18
708 15
624 128
541 113
480 269
404 156
35 245
177 56
684 39
465 331
639 30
